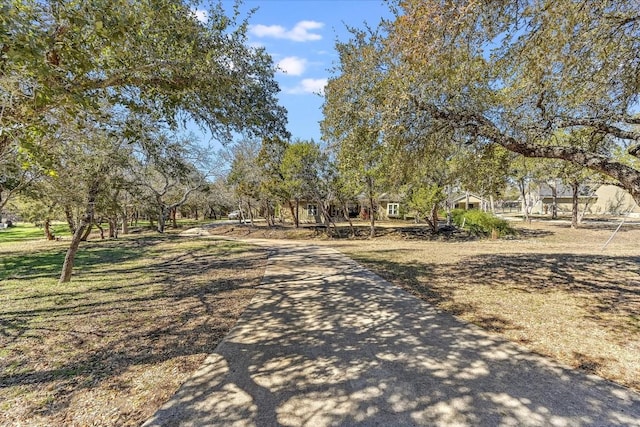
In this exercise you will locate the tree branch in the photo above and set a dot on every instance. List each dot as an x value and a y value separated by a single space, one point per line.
626 175
604 127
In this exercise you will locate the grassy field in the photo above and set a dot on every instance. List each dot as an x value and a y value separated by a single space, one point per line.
22 231
109 348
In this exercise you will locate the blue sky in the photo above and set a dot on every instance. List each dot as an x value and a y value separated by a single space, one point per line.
300 35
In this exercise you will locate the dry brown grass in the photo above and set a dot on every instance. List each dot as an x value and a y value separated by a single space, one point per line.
109 348
552 289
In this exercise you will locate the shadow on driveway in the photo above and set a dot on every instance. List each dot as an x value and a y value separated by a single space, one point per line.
326 342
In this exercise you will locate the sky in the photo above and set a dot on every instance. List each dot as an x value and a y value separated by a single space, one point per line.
300 36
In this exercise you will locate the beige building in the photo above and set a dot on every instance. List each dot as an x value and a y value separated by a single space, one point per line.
468 201
605 200
613 200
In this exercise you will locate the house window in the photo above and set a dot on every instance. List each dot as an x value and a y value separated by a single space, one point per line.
393 209
312 210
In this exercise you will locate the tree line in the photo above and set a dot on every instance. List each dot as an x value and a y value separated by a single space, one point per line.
96 95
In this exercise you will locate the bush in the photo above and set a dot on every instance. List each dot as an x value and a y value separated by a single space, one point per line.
481 223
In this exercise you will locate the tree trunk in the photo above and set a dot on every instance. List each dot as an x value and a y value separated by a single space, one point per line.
69 215
525 204
113 228
270 219
47 229
250 212
434 218
162 214
125 222
174 222
85 235
85 221
372 229
328 222
97 224
345 212
554 202
296 216
574 205
292 209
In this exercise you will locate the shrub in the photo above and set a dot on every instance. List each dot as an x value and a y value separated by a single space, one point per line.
481 223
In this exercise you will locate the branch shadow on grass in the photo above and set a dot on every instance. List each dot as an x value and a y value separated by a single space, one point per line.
90 332
613 282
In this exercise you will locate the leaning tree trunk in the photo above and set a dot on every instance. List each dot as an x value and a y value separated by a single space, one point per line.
292 208
345 212
47 229
85 221
69 216
433 218
97 224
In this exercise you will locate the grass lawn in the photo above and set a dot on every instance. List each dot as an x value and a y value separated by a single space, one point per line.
22 231
139 316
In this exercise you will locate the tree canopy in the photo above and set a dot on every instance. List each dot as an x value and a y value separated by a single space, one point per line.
121 73
150 55
514 74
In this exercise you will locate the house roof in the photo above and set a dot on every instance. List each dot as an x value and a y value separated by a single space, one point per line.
384 197
563 191
463 197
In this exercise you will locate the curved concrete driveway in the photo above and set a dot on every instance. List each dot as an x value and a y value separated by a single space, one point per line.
326 342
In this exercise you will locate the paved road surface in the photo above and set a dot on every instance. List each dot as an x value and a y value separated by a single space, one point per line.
326 342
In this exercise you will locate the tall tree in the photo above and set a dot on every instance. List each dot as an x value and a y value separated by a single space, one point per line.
352 113
307 175
85 155
513 73
270 157
245 176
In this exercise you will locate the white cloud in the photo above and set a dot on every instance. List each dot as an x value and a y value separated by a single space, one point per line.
292 65
315 86
200 15
299 33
